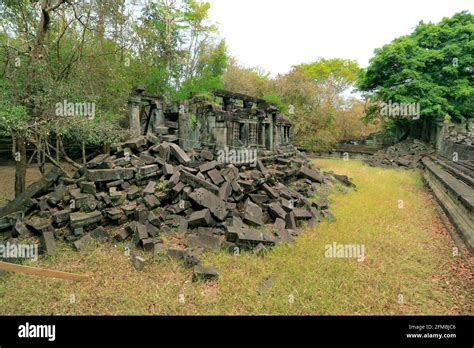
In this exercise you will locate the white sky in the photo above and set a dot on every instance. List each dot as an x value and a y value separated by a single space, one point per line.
276 34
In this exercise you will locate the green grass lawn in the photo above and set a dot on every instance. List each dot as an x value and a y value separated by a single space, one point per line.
409 267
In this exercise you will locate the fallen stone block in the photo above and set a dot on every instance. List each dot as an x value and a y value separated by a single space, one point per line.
163 151
216 176
249 237
225 191
201 272
99 234
287 205
138 262
61 218
154 219
261 167
302 214
9 221
151 201
229 174
103 197
113 214
96 160
78 231
280 230
39 225
190 259
19 229
206 155
311 174
174 179
55 197
87 187
179 154
168 169
270 192
47 242
170 138
152 138
80 219
290 221
123 234
209 200
197 182
344 179
259 198
148 243
140 232
136 143
176 253
115 183
43 204
146 171
109 174
80 244
133 193
253 214
140 214
276 211
147 158
207 166
205 241
153 231
200 218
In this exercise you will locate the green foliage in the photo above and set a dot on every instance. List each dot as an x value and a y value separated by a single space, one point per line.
182 48
13 118
432 66
208 73
277 100
340 73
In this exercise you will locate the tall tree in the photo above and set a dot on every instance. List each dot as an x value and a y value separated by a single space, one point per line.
180 43
433 66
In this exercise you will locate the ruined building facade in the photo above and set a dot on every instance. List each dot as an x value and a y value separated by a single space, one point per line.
223 120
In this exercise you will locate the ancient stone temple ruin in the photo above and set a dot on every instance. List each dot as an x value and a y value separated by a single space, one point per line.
222 120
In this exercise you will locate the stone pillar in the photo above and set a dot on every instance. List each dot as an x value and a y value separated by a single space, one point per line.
134 115
270 133
262 134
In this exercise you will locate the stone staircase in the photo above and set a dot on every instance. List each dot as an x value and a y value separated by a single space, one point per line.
452 184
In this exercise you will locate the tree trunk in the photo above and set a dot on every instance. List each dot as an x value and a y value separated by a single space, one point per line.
40 155
84 159
57 148
20 167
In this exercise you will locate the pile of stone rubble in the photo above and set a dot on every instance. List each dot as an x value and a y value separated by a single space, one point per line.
463 138
407 153
146 190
